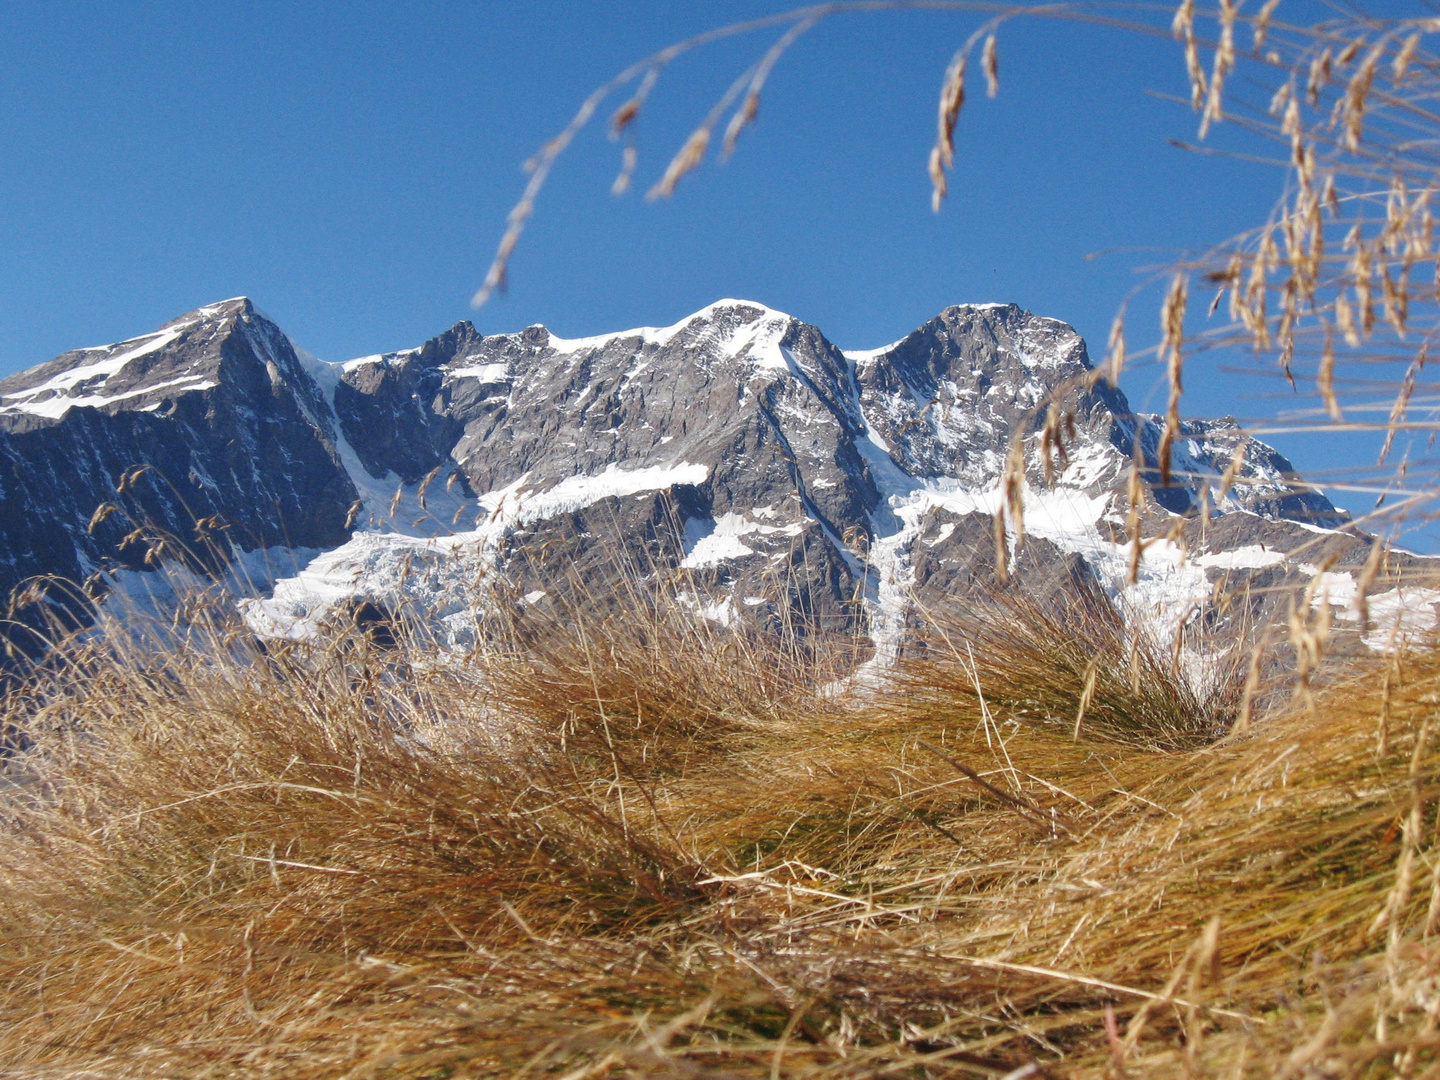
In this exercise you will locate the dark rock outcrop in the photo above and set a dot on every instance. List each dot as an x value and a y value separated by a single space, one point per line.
216 407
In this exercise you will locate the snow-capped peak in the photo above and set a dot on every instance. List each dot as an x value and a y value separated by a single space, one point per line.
662 336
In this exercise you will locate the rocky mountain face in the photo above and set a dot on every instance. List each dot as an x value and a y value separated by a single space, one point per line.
217 408
769 477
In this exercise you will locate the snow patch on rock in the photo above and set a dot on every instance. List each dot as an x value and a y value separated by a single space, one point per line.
435 574
1247 557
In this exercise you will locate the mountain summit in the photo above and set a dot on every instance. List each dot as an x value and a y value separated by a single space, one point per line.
794 483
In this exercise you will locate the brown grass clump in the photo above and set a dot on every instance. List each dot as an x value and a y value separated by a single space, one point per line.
1072 663
361 862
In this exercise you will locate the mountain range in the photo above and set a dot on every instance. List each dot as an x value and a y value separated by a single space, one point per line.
773 479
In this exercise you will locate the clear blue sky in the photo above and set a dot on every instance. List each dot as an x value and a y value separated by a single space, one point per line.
349 167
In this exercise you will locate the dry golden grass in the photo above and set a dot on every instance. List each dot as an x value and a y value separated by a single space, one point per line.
626 856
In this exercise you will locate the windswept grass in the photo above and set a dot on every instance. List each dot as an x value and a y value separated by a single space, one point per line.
1071 663
621 855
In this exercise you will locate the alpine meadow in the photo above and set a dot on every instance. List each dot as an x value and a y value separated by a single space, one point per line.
710 701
